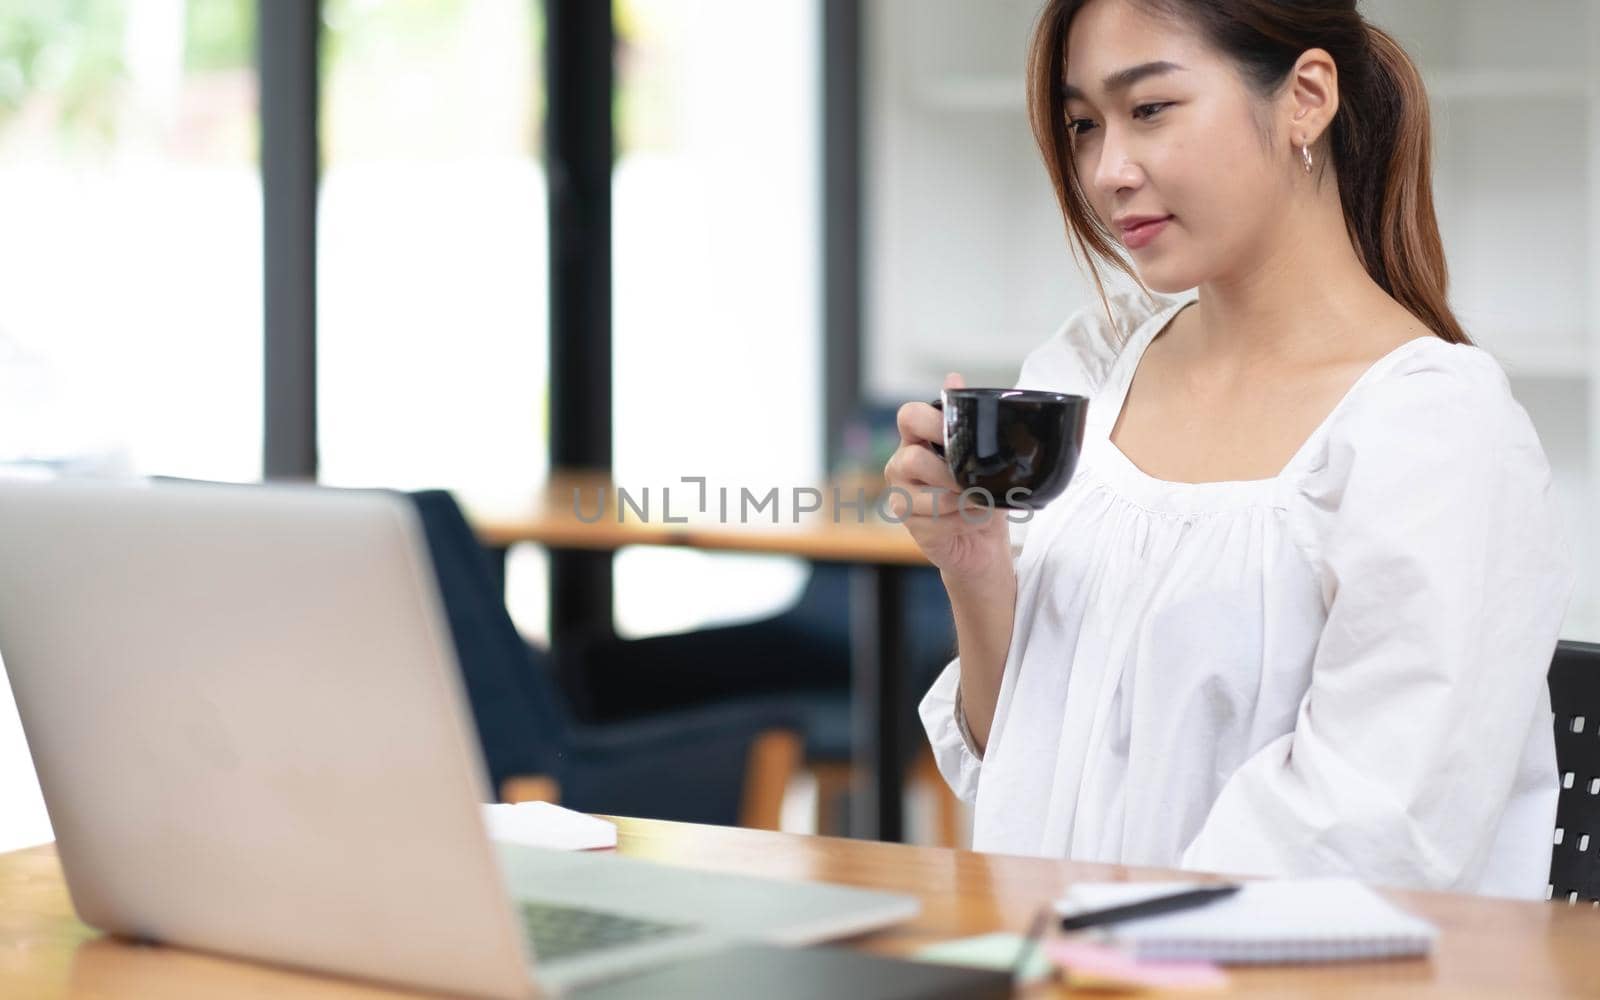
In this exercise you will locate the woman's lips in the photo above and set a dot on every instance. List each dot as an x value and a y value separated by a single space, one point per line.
1140 236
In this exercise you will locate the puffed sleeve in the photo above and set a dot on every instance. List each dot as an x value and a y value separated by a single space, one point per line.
1445 578
1075 359
1080 353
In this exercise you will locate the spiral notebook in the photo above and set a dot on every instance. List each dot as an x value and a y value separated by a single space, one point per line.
1284 920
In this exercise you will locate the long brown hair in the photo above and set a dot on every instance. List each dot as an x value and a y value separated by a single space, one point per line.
1378 143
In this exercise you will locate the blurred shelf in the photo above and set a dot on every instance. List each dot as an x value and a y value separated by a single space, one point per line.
999 93
999 368
973 93
1469 84
1558 361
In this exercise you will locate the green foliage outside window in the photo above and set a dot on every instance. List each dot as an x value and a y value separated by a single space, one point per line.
70 57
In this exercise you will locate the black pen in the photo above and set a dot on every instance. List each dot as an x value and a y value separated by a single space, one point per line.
1185 900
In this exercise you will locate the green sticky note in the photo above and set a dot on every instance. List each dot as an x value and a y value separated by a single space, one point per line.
988 951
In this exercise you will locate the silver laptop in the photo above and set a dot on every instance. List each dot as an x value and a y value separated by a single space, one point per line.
246 717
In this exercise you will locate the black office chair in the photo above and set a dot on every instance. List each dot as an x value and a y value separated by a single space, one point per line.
713 764
1575 696
802 650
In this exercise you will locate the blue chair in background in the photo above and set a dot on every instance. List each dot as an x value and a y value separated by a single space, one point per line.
725 764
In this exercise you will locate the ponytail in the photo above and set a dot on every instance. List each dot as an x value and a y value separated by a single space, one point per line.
1381 148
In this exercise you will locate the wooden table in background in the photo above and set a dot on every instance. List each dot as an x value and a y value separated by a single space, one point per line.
549 518
1487 948
878 550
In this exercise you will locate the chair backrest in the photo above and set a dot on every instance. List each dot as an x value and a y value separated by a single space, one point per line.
522 718
1575 697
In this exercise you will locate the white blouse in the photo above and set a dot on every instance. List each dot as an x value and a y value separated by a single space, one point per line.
1339 670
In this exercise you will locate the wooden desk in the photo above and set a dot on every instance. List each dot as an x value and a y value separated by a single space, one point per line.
1487 948
878 550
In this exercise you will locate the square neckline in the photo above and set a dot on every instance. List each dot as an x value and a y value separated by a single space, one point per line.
1127 365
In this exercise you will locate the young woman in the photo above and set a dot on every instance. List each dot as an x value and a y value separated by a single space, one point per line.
1294 613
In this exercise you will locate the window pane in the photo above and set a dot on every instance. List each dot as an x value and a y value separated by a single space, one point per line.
431 313
716 292
130 331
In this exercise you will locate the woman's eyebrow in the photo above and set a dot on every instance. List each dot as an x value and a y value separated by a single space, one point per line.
1122 79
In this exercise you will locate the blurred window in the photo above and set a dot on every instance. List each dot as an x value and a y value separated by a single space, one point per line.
717 351
130 254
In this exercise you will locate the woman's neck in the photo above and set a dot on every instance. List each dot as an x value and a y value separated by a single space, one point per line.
1302 281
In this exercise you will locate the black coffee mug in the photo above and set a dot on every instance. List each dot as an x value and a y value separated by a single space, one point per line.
1018 446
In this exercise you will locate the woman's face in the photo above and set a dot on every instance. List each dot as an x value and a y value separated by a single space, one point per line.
1163 127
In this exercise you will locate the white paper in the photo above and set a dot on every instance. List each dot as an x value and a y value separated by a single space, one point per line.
1266 921
542 824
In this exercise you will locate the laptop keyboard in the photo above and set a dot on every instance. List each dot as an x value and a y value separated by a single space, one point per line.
564 931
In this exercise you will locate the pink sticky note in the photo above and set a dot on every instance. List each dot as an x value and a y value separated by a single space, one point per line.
1101 966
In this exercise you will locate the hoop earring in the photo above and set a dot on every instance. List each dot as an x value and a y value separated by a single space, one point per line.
1305 157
